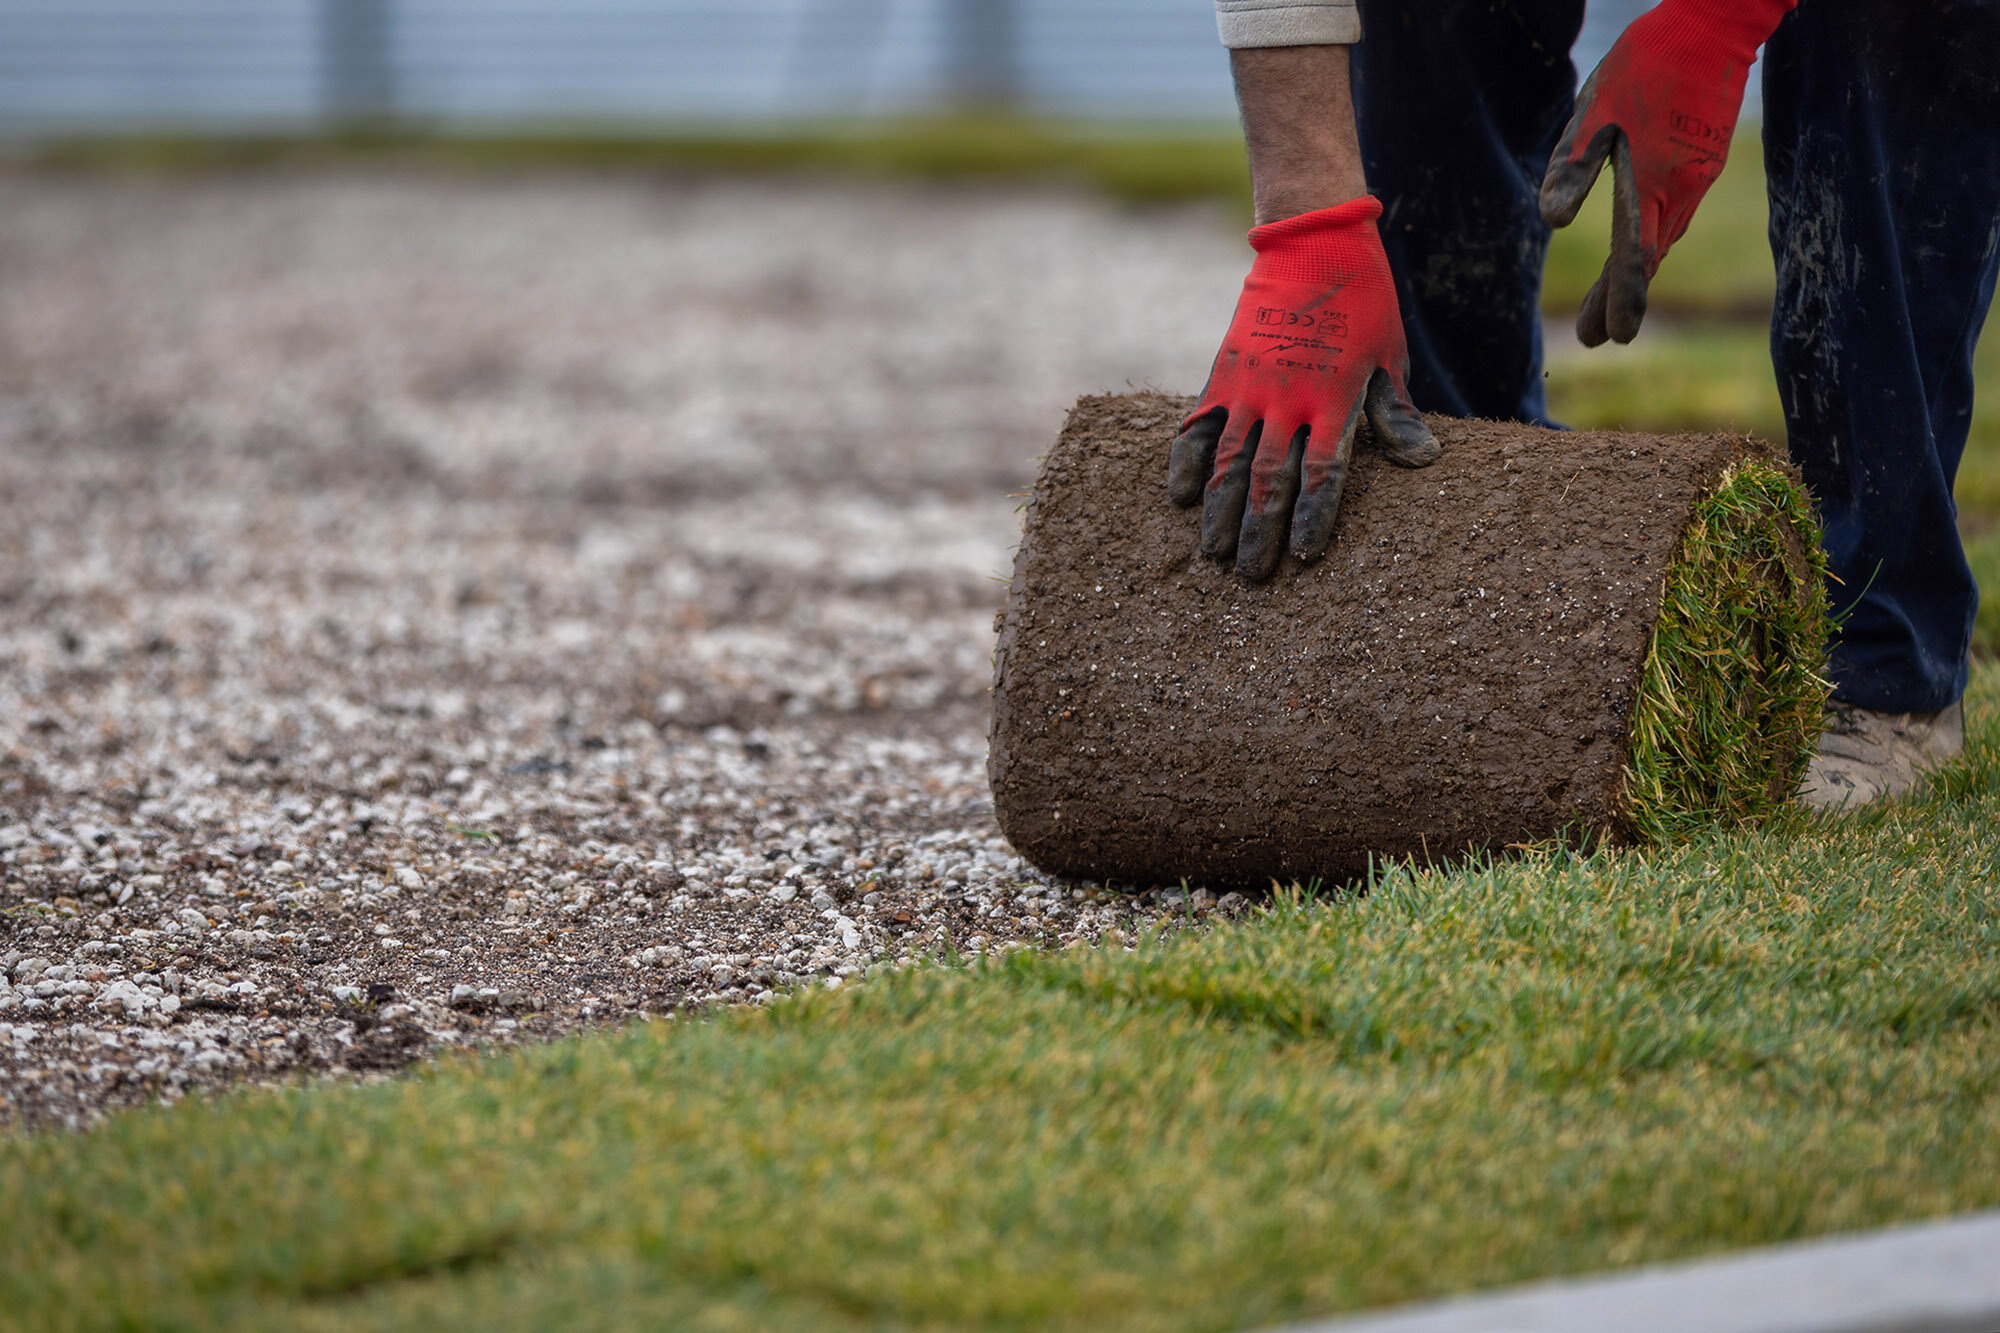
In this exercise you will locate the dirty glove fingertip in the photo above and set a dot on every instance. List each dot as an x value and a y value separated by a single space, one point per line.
1222 503
1192 459
1590 316
1400 433
1312 525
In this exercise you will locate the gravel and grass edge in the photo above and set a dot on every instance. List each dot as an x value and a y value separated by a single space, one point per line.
1746 1037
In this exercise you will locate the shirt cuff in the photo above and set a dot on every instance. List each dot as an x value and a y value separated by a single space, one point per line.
1287 22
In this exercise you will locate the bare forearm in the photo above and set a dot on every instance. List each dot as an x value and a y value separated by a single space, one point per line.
1298 123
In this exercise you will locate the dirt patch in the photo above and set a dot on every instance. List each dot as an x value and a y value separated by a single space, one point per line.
1458 672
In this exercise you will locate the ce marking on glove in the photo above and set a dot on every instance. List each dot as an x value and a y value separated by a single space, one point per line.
1333 325
1696 132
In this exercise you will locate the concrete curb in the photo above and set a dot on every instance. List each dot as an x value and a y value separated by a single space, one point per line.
1934 1277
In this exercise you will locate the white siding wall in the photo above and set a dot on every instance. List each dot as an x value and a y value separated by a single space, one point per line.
80 64
198 62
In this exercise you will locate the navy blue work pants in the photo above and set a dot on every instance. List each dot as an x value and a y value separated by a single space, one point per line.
1882 148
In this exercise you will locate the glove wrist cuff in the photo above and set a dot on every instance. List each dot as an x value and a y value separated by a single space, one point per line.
1738 27
1317 246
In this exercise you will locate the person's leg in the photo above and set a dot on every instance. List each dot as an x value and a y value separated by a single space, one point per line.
1882 145
1460 103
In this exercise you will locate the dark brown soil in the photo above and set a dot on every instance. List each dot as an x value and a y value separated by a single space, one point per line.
1457 673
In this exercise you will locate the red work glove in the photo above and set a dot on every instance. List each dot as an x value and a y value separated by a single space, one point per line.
1316 341
1661 106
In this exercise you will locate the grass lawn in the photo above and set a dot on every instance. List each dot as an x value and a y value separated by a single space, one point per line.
1552 1065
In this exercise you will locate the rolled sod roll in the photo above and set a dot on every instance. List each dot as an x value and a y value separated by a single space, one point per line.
1545 635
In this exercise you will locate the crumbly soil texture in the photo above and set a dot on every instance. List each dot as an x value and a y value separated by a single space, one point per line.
1458 673
445 613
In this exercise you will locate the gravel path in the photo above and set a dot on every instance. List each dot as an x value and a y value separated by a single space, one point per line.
438 612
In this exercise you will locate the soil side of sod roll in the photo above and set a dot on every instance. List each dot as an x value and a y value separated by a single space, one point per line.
1459 672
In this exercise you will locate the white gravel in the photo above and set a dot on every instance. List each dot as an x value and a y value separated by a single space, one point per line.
443 611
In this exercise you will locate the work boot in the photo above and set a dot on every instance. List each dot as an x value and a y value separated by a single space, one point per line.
1865 756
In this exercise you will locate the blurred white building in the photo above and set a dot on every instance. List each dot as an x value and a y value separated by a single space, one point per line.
80 65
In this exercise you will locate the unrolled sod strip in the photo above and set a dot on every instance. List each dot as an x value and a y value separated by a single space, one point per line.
1572 635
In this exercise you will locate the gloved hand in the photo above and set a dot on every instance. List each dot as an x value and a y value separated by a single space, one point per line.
1316 341
1661 106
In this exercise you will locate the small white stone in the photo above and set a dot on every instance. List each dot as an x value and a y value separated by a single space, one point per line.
122 997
